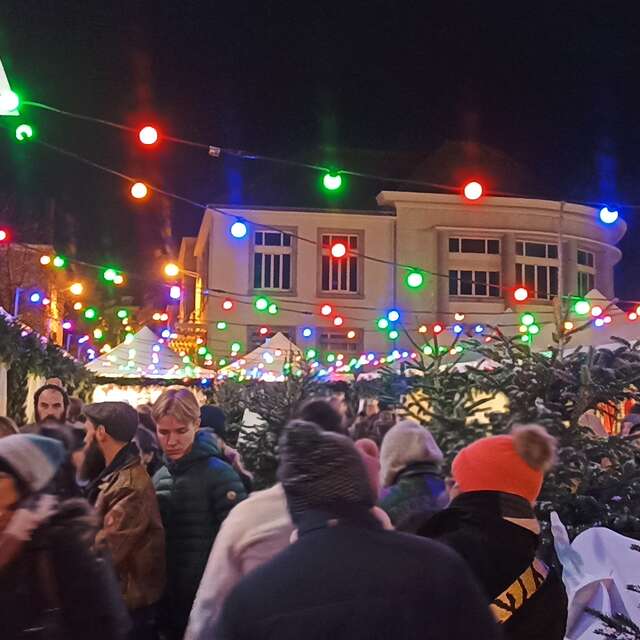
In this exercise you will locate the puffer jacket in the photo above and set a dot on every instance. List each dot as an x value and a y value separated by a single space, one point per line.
195 494
127 508
417 493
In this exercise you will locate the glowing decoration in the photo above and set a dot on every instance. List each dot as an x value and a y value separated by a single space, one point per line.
272 309
307 332
351 335
227 305
520 294
261 304
221 325
331 357
607 320
90 313
119 279
175 292
202 351
338 321
77 306
423 328
607 216
525 338
393 334
527 319
568 325
596 311
459 317
122 314
458 328
166 333
45 260
77 288
164 317
83 339
263 331
139 190
9 102
427 350
472 190
35 297
437 328
156 317
109 274
534 329
171 269
393 315
326 310
4 235
332 181
59 262
415 279
582 307
236 346
311 353
239 229
66 325
98 334
339 250
638 310
24 132
632 316
478 328
599 322
383 323
522 329
148 135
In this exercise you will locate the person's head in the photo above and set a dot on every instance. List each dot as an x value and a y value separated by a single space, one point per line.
404 444
74 413
514 463
177 417
7 427
147 443
51 403
146 419
322 412
321 472
213 418
28 463
110 426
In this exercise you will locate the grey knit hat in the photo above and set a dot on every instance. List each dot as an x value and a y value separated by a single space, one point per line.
33 459
119 419
405 444
320 470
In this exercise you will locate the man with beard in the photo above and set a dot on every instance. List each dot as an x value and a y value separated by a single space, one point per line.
127 508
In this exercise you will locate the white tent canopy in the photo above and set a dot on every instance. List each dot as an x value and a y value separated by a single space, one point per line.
267 361
144 355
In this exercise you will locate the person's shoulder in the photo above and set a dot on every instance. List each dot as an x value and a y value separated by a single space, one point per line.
161 476
73 518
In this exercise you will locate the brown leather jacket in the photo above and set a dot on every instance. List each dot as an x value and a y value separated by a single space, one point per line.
132 529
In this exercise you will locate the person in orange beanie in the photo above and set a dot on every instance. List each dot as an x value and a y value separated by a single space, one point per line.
490 522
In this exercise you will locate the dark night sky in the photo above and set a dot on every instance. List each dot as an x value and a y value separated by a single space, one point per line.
378 86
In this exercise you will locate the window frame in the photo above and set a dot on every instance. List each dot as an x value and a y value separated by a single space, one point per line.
585 271
293 252
475 283
551 260
332 231
354 346
460 239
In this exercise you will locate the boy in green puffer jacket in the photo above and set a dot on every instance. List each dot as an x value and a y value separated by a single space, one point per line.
196 489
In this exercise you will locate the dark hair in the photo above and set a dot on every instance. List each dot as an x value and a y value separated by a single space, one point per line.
7 427
322 413
146 440
75 410
146 420
634 429
635 409
52 387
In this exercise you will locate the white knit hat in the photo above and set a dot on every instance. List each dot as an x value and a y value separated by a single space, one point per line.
33 459
405 443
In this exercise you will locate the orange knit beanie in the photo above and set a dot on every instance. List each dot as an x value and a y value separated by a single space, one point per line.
513 463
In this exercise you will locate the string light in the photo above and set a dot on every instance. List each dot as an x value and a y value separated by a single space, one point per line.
261 303
527 319
307 332
77 288
393 315
423 328
77 306
263 331
45 260
239 229
458 328
66 325
338 321
109 274
596 311
90 313
332 181
383 323
326 310
221 325
171 269
415 279
568 325
351 335
139 190
59 262
607 216
459 317
582 307
437 328
35 297
338 250
119 279
148 135
479 328
175 292
520 294
272 309
122 313
24 132
227 305
472 190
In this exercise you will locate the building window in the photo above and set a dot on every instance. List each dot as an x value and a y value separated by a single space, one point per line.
540 279
474 283
272 260
586 272
340 274
256 339
537 250
474 245
339 341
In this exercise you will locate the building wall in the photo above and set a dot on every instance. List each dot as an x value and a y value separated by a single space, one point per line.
414 230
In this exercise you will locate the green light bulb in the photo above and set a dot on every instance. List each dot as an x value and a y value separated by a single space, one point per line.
582 307
527 319
122 313
534 329
109 274
202 351
393 334
90 313
415 279
59 262
24 132
331 357
236 346
9 102
261 304
311 353
383 323
273 309
222 325
332 181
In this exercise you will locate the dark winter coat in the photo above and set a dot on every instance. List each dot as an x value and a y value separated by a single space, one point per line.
357 581
417 493
195 494
83 584
498 552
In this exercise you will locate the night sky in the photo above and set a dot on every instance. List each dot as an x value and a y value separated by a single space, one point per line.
542 102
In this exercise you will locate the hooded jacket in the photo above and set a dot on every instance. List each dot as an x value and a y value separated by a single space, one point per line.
195 494
499 550
127 509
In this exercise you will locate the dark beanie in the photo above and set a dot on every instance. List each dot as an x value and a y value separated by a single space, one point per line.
321 470
212 417
119 419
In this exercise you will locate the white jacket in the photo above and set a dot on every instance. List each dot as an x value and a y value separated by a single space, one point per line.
256 530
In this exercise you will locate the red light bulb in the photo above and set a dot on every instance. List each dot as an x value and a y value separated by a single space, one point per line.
472 190
227 305
338 250
148 135
520 294
326 310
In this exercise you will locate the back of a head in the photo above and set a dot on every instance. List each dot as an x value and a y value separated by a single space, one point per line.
321 471
7 427
146 420
119 419
212 417
74 413
322 413
404 444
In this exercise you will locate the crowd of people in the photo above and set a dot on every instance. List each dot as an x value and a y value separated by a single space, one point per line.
141 523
